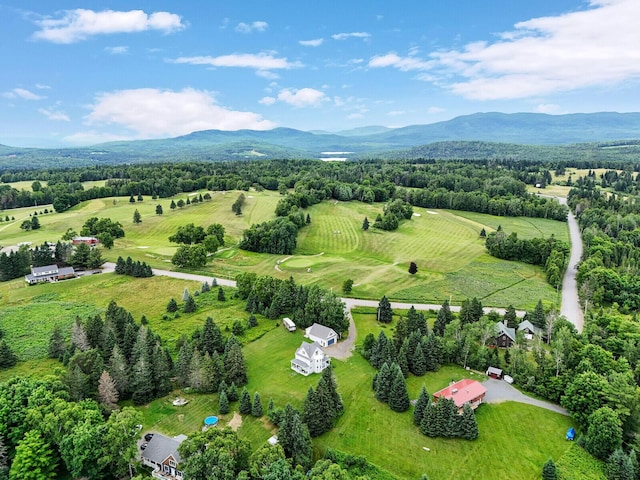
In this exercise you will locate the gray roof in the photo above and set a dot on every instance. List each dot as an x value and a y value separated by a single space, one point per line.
59 272
160 447
502 329
309 348
45 269
494 370
320 331
526 324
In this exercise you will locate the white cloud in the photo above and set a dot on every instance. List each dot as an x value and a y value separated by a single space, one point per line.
434 110
41 86
311 43
268 74
80 24
354 116
267 101
403 64
396 113
22 93
150 113
54 115
261 61
257 26
587 48
304 97
547 108
121 50
92 137
344 36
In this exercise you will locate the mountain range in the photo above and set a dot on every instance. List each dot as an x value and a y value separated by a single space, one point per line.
524 129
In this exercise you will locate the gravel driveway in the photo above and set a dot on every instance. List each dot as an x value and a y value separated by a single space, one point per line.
499 391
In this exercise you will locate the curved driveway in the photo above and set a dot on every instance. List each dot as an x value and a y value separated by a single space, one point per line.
499 391
570 307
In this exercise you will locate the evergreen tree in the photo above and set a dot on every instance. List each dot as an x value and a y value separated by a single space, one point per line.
245 402
511 317
429 425
232 392
118 371
421 406
221 296
57 344
223 403
549 471
141 381
172 206
211 339
7 358
189 305
385 314
172 306
448 413
483 233
108 392
235 366
159 210
432 350
443 319
402 361
468 423
294 437
365 224
137 218
418 363
131 199
183 365
383 383
312 415
619 466
538 317
413 268
257 409
398 395
328 388
416 322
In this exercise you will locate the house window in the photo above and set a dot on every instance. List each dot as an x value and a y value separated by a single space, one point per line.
172 463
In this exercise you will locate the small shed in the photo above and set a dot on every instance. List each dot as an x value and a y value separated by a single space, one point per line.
289 325
494 372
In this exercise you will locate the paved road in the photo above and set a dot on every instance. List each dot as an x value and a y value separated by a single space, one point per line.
110 267
570 306
499 391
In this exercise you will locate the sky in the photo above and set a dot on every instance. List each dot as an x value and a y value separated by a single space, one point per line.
86 72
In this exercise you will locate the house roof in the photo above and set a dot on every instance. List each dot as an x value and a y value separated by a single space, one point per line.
309 348
320 331
45 269
58 272
502 329
462 392
527 325
494 371
159 448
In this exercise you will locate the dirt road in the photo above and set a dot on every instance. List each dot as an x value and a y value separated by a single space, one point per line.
570 307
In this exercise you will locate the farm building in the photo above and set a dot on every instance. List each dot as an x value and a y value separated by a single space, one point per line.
494 372
288 324
49 273
464 391
505 336
91 241
162 455
530 331
309 359
325 336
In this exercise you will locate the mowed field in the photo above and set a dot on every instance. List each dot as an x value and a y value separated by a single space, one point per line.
446 246
368 427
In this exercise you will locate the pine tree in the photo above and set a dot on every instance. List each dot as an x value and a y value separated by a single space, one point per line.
257 409
365 224
385 314
402 359
118 372
172 206
312 415
432 350
107 391
159 210
328 388
172 306
538 318
421 405
223 403
232 392
294 437
7 358
468 424
137 218
443 319
141 382
413 268
419 365
57 344
549 471
383 383
234 363
190 305
619 467
245 402
221 296
511 317
429 425
78 336
448 413
398 395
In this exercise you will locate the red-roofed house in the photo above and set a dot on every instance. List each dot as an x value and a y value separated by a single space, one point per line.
464 391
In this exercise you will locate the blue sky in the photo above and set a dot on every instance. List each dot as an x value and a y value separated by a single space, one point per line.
88 72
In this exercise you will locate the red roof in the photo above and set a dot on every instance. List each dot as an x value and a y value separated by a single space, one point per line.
462 392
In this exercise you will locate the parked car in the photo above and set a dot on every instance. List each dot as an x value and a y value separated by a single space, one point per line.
143 446
148 436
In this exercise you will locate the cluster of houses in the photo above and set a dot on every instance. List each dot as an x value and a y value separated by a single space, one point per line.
505 337
53 273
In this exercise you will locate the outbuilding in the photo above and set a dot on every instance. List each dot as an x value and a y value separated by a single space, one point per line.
494 372
288 324
325 336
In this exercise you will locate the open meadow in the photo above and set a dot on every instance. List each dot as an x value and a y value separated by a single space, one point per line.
446 246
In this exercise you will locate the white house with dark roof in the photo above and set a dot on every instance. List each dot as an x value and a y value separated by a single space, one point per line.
49 273
309 359
162 455
325 336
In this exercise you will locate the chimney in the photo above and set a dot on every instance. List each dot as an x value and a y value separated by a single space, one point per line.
506 322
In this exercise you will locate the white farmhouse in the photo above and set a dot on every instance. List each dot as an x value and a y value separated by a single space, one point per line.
325 336
309 359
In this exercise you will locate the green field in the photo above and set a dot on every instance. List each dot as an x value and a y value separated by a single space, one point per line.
28 314
370 428
451 258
